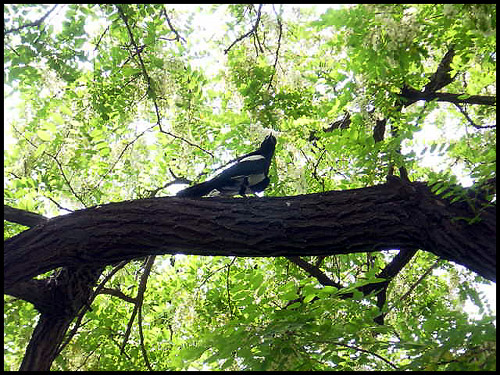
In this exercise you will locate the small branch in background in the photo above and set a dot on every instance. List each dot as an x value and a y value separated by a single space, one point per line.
441 76
315 272
280 28
150 90
138 50
228 287
117 293
58 205
466 115
253 30
185 140
36 23
99 41
177 180
121 155
77 196
139 299
424 275
178 37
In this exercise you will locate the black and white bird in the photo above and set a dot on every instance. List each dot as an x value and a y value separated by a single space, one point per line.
248 175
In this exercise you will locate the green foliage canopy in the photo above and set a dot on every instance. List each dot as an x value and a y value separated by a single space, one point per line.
116 102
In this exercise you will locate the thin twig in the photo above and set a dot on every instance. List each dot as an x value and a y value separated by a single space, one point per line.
185 140
464 112
139 299
150 89
280 27
253 30
99 41
58 164
177 35
121 154
138 52
228 287
31 24
58 205
367 352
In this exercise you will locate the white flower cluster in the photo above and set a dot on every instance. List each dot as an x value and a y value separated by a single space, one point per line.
449 10
391 34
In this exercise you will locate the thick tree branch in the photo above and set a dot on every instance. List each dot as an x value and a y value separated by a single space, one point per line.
86 307
16 215
410 96
315 272
387 216
441 77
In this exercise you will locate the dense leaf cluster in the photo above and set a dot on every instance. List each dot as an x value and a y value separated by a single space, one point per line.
117 102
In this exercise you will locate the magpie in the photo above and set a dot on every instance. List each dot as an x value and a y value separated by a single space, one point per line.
248 175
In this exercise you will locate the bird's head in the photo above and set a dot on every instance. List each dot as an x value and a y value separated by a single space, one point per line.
268 144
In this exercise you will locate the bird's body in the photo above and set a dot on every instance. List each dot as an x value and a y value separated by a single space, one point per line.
248 175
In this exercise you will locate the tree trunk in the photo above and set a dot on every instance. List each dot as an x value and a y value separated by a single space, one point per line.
42 348
60 299
388 216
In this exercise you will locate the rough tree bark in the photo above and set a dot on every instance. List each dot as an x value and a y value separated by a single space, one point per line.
389 216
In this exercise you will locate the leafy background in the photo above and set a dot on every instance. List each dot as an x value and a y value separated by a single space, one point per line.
108 103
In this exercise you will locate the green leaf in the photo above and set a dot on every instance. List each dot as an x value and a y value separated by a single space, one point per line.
129 71
328 289
290 295
44 135
309 297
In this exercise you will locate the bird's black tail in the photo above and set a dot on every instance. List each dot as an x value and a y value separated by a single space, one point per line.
198 190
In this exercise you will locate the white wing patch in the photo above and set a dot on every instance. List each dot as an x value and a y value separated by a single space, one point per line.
252 158
254 179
